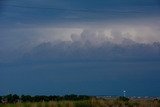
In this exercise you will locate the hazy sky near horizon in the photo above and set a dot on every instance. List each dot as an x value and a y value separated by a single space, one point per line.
90 47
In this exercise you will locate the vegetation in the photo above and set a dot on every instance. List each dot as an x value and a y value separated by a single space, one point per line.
123 98
39 98
77 101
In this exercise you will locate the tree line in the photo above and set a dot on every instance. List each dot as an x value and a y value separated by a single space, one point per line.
39 98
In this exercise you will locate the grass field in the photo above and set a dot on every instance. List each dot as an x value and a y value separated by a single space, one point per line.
88 103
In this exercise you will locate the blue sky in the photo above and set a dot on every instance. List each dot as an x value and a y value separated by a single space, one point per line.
80 46
40 11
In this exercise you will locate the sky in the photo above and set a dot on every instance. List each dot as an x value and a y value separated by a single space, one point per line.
91 47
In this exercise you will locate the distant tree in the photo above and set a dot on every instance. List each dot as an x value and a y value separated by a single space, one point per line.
26 98
9 98
70 97
1 99
52 98
83 97
41 98
123 98
15 98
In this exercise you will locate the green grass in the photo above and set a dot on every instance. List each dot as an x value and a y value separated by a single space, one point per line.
88 103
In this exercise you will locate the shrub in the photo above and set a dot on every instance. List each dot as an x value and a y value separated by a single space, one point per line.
125 99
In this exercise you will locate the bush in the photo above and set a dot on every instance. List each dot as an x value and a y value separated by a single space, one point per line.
0 99
123 99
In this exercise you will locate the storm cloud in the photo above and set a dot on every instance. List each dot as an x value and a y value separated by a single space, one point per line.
78 44
88 47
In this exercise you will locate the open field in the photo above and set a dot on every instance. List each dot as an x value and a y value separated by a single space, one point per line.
88 103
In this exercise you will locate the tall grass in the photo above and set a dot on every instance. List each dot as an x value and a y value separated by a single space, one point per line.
88 103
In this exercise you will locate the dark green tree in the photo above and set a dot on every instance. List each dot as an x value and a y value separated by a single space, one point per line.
123 99
26 98
1 99
15 98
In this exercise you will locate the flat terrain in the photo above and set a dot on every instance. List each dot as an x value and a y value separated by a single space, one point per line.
88 103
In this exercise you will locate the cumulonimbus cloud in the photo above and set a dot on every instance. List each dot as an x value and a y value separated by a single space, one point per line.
93 45
77 44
